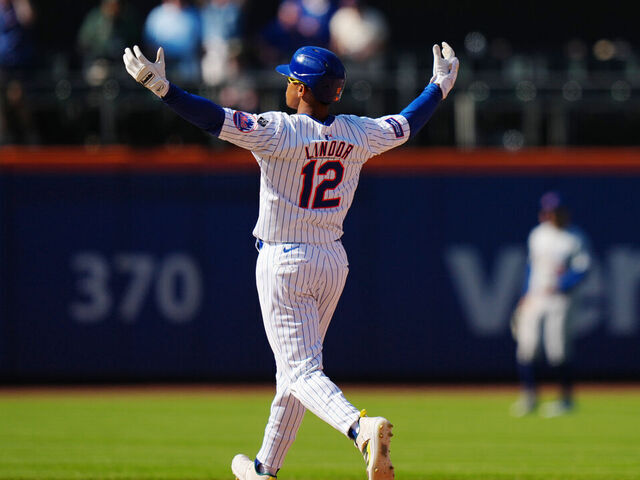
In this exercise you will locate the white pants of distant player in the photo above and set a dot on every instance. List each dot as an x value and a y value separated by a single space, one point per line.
543 317
299 286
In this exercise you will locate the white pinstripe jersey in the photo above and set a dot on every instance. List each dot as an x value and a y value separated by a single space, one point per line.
551 251
309 170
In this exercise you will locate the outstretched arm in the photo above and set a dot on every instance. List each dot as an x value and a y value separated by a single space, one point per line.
445 72
201 112
420 110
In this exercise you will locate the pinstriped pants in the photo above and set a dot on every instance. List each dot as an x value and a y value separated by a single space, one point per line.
543 318
299 286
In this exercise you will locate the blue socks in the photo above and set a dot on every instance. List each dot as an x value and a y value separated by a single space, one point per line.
354 430
261 469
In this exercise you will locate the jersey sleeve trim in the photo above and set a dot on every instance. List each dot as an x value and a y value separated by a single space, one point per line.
259 133
386 132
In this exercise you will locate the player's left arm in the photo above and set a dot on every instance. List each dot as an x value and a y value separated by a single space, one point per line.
577 268
256 133
200 111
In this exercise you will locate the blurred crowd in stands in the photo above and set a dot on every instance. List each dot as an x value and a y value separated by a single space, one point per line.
17 55
203 42
210 47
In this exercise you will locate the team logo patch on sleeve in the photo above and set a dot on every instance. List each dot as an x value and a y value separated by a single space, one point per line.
244 122
397 128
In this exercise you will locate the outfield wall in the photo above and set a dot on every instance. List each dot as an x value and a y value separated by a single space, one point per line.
119 264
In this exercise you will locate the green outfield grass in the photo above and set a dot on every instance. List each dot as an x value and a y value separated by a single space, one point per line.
194 435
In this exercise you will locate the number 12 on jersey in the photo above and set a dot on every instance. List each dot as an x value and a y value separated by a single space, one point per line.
308 174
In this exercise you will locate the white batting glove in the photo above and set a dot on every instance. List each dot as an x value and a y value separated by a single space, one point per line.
149 74
445 68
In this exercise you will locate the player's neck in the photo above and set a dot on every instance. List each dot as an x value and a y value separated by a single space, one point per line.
320 112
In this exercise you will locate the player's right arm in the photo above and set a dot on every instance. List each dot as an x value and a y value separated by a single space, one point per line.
445 72
524 290
393 130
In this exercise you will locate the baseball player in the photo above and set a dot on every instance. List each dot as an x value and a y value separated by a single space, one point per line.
310 163
558 262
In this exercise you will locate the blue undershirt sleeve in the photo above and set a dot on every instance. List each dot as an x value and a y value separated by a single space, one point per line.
201 112
420 110
570 279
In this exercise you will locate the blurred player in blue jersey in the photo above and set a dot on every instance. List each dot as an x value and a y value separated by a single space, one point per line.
310 163
558 262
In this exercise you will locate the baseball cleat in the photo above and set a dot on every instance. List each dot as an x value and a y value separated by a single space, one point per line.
524 406
373 441
557 408
245 469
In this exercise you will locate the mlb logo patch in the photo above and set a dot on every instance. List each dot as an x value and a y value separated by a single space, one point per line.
397 128
244 122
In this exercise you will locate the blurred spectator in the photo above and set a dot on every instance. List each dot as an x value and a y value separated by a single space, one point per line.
558 262
16 60
176 26
16 46
221 31
358 32
298 23
105 32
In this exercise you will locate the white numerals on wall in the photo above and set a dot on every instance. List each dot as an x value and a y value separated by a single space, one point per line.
122 285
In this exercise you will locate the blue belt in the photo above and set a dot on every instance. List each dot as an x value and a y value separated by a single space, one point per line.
259 244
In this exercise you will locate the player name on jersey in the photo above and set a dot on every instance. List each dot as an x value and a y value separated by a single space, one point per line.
328 149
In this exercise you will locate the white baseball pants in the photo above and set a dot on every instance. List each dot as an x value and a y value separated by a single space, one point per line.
543 317
299 286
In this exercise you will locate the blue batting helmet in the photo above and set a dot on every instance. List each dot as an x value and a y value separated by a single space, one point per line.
551 201
318 68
